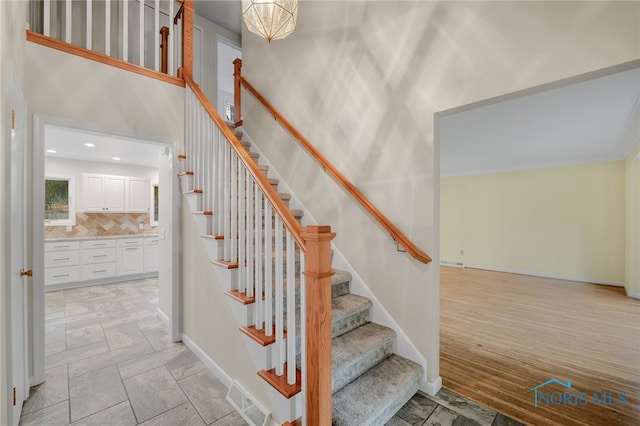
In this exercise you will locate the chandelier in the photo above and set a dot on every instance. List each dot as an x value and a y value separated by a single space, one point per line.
270 19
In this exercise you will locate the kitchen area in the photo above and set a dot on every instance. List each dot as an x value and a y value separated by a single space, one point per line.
101 209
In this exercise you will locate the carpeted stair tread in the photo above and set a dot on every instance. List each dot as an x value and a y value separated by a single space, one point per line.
374 397
357 351
348 312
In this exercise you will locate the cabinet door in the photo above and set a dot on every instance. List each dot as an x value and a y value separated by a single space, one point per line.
130 260
93 193
137 193
114 193
151 258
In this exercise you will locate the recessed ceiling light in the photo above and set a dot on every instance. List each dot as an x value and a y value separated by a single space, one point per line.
116 158
88 144
51 151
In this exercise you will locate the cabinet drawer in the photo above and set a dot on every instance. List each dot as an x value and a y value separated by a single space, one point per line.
64 274
98 256
91 244
130 242
99 270
61 245
151 241
61 258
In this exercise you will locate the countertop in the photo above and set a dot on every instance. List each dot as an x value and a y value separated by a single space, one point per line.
110 237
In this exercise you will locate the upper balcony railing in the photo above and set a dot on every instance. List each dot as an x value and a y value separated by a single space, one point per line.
147 34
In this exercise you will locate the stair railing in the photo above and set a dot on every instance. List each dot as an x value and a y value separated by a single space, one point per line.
402 241
272 253
72 22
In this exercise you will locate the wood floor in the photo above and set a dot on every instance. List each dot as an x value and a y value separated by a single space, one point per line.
504 334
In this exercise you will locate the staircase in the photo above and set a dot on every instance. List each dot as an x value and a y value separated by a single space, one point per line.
369 382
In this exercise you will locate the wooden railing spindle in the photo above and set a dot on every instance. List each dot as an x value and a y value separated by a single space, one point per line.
164 49
237 96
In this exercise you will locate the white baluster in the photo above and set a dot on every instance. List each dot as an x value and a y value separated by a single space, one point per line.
227 204
234 206
280 344
107 27
89 35
171 40
46 29
207 162
157 36
268 269
259 259
125 30
250 238
242 235
141 33
291 310
219 182
67 22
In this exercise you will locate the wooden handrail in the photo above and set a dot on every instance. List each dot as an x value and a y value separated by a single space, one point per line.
350 188
178 15
270 194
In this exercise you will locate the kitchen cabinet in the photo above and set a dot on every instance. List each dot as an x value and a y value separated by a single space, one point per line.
130 256
98 259
61 262
137 195
103 193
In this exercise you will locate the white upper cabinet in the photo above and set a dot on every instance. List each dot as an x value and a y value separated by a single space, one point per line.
137 195
115 194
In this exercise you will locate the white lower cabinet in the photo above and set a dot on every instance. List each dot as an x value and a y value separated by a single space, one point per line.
130 256
77 263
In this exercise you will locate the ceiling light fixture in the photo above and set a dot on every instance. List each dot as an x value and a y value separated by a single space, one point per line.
116 158
89 144
270 19
51 151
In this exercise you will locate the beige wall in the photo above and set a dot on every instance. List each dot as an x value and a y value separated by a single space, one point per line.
13 17
632 214
562 221
364 88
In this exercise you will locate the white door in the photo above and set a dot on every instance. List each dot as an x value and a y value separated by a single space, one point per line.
16 249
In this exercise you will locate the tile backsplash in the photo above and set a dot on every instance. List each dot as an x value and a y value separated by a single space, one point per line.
103 225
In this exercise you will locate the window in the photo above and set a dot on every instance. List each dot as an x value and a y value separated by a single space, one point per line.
156 207
59 201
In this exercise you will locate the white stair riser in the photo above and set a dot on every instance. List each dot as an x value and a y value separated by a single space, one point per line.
228 277
203 222
286 410
186 183
243 314
214 248
194 200
262 356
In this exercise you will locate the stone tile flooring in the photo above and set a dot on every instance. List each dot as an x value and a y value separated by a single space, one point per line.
109 361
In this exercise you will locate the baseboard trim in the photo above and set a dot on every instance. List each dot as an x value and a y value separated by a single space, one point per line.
211 364
162 316
432 388
634 295
552 276
452 263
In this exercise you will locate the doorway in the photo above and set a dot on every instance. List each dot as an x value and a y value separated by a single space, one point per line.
227 52
96 147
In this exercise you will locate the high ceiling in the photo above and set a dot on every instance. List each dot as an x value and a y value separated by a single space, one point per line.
226 13
575 124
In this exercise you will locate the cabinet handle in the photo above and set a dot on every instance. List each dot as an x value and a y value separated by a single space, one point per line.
99 244
101 270
60 246
131 242
61 258
99 255
60 276
131 248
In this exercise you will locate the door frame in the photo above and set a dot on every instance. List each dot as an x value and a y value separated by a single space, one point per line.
173 229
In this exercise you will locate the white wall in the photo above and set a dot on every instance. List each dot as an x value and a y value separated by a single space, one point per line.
13 17
363 80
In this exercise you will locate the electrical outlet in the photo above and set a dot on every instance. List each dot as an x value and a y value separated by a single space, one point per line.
461 251
141 226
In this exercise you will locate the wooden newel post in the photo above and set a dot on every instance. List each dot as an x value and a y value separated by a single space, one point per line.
318 274
187 37
237 91
164 48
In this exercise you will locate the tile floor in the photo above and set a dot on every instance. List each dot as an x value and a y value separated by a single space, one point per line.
109 362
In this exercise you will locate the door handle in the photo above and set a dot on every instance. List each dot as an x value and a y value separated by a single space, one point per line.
28 273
